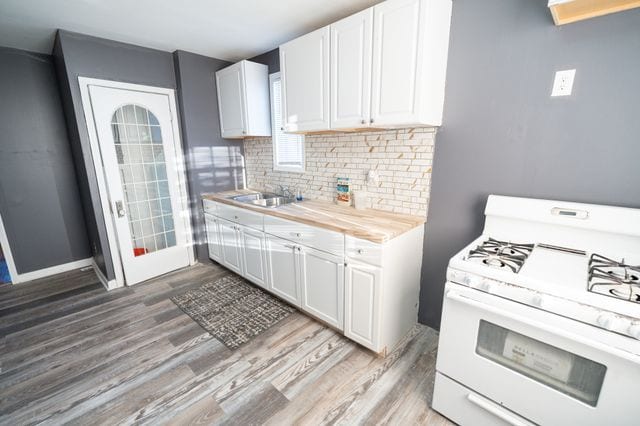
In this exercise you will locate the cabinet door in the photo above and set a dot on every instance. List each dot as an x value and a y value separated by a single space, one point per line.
362 304
283 269
396 57
304 64
231 251
213 238
351 71
254 256
231 101
322 285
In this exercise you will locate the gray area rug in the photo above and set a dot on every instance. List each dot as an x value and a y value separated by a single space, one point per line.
232 310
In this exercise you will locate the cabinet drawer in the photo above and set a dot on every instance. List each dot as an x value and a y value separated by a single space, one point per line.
466 407
310 236
210 207
241 216
363 250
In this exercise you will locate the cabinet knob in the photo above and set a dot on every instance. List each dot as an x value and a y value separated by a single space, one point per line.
371 120
235 217
299 248
281 128
360 251
298 234
363 121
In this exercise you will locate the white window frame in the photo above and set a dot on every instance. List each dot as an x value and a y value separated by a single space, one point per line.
277 129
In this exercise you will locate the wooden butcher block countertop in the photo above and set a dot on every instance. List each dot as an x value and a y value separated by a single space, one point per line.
373 225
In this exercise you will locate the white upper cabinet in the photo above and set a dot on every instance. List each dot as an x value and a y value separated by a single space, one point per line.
410 45
243 100
351 70
387 69
304 67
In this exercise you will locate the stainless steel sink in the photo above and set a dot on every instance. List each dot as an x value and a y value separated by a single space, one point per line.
264 199
254 197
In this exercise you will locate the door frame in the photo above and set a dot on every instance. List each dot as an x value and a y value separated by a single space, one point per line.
8 256
96 155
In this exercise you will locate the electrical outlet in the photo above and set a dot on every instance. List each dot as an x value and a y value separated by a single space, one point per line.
563 83
373 178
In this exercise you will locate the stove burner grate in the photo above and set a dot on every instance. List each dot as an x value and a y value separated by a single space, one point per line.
501 254
613 278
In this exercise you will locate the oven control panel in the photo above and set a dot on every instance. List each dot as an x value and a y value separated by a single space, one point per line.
567 308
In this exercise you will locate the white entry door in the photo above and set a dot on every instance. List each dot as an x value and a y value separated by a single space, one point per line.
142 166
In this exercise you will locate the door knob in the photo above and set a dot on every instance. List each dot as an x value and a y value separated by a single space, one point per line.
120 208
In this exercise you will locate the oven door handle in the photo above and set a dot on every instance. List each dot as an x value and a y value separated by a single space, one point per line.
455 296
497 411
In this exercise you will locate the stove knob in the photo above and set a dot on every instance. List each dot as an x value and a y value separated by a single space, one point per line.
538 300
606 320
485 285
634 330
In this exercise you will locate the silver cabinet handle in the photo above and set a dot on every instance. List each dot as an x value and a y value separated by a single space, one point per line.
363 121
360 251
298 234
299 248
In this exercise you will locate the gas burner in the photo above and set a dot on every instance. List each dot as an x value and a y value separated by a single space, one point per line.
501 254
612 278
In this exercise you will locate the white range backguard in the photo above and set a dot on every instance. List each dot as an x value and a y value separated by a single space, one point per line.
535 346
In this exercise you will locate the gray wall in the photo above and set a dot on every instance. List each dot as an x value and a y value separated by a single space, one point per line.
503 134
270 58
213 164
39 199
86 56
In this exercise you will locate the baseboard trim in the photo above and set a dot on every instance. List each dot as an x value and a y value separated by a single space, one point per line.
109 285
53 270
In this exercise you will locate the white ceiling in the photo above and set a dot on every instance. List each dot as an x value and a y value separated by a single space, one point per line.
225 29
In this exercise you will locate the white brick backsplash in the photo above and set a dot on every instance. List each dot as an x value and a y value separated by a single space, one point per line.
402 158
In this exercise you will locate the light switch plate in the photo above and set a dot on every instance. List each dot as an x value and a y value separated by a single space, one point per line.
563 83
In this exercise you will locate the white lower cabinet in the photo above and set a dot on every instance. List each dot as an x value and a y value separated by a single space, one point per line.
282 258
362 304
213 238
322 285
372 298
231 251
254 256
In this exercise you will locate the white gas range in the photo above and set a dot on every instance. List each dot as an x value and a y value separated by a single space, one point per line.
541 318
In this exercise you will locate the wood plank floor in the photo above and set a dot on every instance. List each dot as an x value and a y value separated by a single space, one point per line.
72 353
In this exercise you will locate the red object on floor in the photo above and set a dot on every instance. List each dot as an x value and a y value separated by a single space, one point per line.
139 251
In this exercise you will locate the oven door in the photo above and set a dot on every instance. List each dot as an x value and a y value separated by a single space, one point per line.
549 369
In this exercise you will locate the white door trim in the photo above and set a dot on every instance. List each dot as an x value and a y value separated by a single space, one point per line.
6 249
85 82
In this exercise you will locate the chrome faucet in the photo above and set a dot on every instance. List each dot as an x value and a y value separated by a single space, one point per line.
285 191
